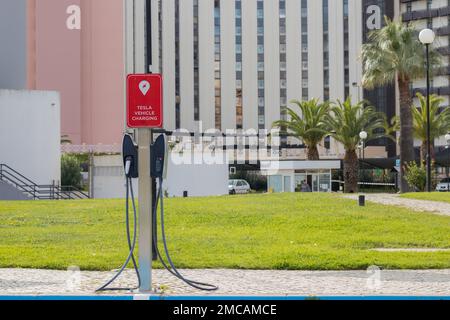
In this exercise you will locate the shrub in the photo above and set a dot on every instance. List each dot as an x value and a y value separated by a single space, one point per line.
70 172
416 176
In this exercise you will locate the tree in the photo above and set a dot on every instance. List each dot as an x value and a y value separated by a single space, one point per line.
309 126
394 53
439 121
345 122
70 172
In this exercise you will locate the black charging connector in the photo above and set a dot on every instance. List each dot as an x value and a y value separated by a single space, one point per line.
158 158
130 157
130 163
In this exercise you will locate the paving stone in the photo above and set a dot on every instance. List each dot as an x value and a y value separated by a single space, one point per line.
237 282
439 208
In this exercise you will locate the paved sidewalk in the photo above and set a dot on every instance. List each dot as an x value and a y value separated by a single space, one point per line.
239 282
440 208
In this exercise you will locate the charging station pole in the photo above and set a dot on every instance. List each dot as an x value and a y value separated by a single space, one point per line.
145 210
135 48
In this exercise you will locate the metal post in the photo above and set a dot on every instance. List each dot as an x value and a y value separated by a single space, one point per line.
145 211
448 167
364 150
91 174
428 121
134 52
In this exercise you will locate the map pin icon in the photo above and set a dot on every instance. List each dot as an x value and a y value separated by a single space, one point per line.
144 86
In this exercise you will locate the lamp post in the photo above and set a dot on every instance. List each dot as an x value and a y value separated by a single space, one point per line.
447 138
427 37
363 135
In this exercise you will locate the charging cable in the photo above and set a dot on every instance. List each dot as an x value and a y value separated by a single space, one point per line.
131 244
172 269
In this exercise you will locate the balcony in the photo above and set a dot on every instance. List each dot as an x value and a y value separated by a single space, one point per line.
425 14
443 31
445 51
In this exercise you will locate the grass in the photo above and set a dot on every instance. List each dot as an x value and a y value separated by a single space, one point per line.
282 231
433 196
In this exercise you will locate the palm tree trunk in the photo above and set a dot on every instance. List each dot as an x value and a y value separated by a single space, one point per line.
351 168
313 154
423 153
406 132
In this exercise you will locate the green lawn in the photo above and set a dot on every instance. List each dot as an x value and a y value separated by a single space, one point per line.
433 196
283 231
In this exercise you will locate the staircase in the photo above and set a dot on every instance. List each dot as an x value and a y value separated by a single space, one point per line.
15 186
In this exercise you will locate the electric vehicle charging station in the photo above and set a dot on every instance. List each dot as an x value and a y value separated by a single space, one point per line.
147 161
144 159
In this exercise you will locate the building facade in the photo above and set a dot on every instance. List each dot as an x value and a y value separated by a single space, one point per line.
13 34
237 64
74 47
433 14
227 64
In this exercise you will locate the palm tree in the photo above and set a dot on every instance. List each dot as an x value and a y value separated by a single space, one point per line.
346 121
394 53
439 121
309 127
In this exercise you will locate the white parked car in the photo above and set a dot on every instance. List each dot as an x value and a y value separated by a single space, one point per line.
238 187
443 186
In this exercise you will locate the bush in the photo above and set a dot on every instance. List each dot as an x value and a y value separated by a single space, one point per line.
416 176
70 172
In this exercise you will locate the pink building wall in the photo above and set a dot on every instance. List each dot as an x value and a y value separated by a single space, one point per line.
85 66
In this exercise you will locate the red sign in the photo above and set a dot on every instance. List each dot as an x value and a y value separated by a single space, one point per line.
144 101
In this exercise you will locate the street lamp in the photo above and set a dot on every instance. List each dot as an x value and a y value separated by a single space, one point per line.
447 138
363 135
427 37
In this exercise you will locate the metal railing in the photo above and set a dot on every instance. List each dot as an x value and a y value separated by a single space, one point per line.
39 192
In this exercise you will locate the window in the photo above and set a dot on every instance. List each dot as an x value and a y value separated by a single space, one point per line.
346 50
218 71
283 75
238 23
326 64
196 64
260 60
177 66
305 49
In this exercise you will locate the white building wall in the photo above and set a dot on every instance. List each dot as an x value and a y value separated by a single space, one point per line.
206 44
272 61
336 49
187 64
168 34
249 57
155 38
228 65
249 68
293 50
197 180
355 44
30 134
315 47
